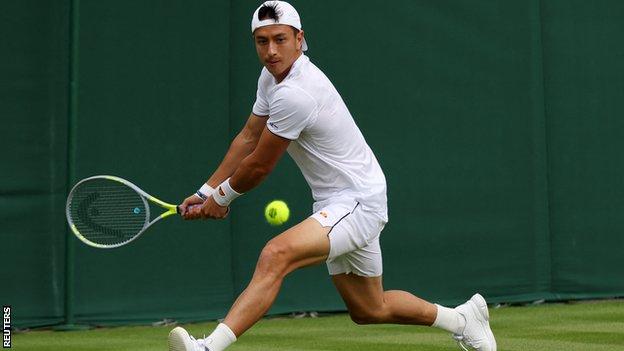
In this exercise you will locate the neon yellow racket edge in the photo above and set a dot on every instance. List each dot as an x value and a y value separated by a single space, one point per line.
105 211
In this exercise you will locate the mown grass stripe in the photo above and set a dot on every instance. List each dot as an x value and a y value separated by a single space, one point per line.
551 327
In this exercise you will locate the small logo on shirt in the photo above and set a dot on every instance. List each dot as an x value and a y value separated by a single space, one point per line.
273 125
323 213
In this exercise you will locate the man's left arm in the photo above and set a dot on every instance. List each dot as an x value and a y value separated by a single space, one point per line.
250 173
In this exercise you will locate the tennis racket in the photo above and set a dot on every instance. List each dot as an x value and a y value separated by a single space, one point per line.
107 211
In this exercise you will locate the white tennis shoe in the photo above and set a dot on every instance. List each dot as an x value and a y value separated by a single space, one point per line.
477 334
180 340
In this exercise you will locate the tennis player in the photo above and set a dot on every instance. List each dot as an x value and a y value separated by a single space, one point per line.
297 109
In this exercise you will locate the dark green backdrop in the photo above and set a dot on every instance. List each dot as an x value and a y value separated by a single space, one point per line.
498 125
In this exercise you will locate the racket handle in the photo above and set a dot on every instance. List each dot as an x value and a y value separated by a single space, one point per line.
189 208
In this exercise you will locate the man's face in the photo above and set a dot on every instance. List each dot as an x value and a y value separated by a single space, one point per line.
278 48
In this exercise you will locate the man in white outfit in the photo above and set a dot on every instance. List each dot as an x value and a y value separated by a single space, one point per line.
298 110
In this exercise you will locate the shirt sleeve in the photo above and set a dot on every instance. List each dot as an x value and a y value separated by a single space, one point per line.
261 106
291 111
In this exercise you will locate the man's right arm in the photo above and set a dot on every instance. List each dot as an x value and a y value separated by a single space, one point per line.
242 145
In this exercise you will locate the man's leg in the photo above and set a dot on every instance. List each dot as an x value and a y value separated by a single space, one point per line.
303 245
368 303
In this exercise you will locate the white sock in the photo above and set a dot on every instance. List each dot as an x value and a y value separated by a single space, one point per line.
220 338
449 320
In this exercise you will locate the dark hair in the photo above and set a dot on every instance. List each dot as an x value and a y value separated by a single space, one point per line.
269 11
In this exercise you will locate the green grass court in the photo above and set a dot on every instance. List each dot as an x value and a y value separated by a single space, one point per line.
587 326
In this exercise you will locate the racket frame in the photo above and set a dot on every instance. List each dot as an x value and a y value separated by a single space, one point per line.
171 210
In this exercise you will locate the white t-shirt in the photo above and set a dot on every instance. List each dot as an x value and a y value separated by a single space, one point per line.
326 143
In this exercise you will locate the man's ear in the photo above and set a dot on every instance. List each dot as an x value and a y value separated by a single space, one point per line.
300 37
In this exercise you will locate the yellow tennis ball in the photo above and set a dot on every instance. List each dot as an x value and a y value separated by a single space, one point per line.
276 212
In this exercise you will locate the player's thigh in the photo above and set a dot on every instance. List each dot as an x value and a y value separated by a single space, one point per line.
304 244
360 293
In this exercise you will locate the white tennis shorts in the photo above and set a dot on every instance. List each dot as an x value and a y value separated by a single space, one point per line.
354 239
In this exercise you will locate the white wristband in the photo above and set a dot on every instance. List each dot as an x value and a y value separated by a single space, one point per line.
228 195
204 192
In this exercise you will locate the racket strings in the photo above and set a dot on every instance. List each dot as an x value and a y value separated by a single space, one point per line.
107 212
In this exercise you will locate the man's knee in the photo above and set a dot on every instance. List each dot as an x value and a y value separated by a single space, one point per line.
274 258
368 316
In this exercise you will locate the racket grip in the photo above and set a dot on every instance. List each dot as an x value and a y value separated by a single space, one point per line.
179 211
